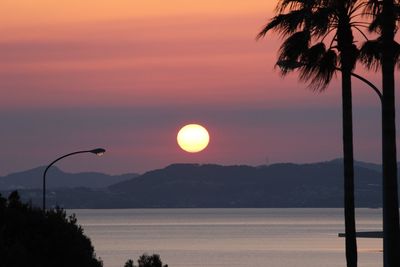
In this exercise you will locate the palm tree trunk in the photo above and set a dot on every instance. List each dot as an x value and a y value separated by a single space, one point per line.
349 211
347 61
391 231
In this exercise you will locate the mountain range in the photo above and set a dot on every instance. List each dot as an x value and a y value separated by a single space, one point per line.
207 186
55 178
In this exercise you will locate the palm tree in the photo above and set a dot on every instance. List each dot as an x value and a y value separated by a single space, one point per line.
384 52
307 25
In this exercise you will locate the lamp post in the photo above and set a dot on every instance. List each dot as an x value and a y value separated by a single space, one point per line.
97 151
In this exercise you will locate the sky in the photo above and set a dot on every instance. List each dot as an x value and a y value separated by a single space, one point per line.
127 75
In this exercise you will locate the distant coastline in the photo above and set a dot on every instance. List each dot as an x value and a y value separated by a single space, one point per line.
282 185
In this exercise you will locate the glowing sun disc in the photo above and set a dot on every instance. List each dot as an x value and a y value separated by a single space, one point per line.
193 138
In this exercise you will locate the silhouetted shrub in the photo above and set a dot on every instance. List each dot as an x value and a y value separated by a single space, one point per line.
31 237
147 261
129 263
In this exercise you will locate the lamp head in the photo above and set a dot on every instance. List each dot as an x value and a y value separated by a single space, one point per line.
98 151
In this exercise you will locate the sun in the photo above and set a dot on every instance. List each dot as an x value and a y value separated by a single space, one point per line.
193 138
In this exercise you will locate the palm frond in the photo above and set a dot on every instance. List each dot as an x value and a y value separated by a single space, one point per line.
397 53
357 7
294 46
286 66
371 54
284 23
397 13
321 21
376 23
373 7
314 54
306 22
290 4
361 32
319 75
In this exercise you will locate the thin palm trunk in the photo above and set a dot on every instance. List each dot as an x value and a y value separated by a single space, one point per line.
391 231
349 213
345 45
318 67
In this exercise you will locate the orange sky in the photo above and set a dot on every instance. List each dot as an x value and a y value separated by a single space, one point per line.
127 74
131 52
20 12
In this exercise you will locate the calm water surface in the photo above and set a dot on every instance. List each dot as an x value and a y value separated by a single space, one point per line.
229 237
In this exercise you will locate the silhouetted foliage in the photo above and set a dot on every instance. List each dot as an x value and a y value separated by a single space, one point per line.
31 237
129 263
306 27
146 261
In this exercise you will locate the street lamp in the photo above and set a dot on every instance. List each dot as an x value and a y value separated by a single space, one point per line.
97 151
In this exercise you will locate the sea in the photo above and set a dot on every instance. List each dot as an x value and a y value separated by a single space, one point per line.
229 237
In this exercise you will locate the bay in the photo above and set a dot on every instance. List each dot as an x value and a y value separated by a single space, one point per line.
229 237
